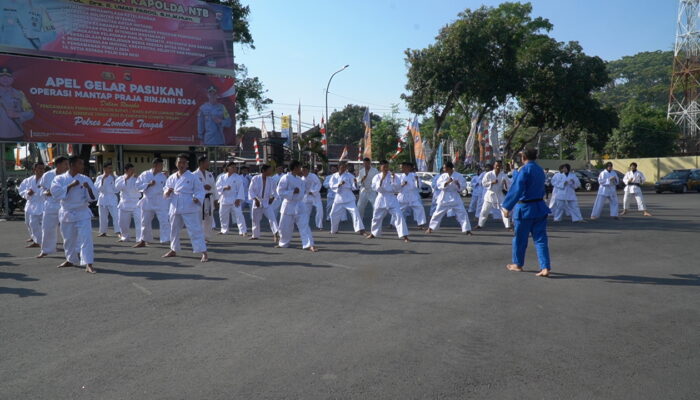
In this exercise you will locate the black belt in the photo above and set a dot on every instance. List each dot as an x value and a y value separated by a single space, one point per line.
633 184
530 201
208 195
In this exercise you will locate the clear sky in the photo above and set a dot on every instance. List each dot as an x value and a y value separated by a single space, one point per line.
299 44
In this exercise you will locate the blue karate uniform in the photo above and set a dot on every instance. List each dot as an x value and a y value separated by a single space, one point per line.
525 200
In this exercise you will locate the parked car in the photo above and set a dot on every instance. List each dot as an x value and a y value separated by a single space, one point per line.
467 191
678 181
588 179
425 190
694 180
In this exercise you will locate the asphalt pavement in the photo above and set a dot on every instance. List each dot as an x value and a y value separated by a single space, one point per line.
439 318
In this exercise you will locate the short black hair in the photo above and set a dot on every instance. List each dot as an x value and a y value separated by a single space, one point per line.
264 167
305 166
230 164
293 165
366 159
568 167
128 166
202 159
59 159
72 160
530 154
342 163
635 164
244 167
184 155
36 164
608 164
449 165
107 164
157 160
384 162
406 163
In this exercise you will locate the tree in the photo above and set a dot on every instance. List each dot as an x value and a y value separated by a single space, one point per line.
250 92
385 135
345 126
644 77
644 132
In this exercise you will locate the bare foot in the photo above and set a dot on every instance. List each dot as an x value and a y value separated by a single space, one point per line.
102 235
363 232
121 240
66 264
139 244
220 233
510 230
42 255
469 233
32 245
205 257
169 254
370 236
594 218
313 249
514 267
29 240
623 212
89 269
544 273
252 238
428 231
647 214
476 228
406 239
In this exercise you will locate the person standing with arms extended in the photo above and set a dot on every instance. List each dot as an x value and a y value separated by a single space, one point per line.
634 180
364 182
153 204
607 191
107 200
50 225
30 190
525 200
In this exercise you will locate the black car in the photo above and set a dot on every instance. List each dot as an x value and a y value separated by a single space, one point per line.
588 179
676 181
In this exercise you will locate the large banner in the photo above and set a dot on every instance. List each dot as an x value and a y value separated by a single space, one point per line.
188 35
43 100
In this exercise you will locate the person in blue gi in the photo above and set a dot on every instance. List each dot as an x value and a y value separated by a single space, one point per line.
212 118
525 200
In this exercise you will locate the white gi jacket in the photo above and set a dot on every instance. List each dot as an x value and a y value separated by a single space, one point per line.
633 180
108 193
411 191
385 191
51 204
565 186
367 185
608 182
129 194
152 196
186 188
236 191
74 202
35 202
330 195
292 203
207 178
343 194
494 191
263 193
477 186
313 186
450 193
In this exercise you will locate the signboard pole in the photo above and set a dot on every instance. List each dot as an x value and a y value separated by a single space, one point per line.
3 178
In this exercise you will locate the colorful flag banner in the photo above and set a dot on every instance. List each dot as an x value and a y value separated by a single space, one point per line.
324 140
421 161
366 120
469 145
344 154
438 157
263 130
399 148
257 152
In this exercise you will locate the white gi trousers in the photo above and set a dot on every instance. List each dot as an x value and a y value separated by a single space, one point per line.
49 232
476 203
490 208
163 225
286 229
568 207
397 218
337 212
33 222
228 210
319 212
256 215
416 206
206 215
105 212
459 211
77 243
193 223
367 196
637 196
600 201
125 217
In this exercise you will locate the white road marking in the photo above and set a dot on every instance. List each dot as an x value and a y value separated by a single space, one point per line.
251 275
141 288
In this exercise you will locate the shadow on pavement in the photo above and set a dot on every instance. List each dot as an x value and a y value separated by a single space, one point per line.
17 276
20 292
158 276
677 280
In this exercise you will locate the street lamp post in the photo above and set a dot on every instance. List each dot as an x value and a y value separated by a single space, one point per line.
328 86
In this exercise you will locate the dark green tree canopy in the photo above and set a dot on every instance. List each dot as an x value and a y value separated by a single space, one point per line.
345 126
644 132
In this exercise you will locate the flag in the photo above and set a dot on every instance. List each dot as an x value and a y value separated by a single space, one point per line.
421 161
368 134
263 130
438 158
324 141
359 152
495 143
50 153
240 145
299 123
469 145
399 148
257 152
344 154
18 157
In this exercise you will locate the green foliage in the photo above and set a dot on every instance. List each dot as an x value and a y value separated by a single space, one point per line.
644 132
345 126
643 77
385 135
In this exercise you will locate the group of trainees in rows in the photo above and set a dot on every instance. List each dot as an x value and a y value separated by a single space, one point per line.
58 200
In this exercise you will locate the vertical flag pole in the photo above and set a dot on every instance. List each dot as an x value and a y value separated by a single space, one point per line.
3 178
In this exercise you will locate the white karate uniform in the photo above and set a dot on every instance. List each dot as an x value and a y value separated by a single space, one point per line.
450 199
493 196
293 211
263 192
75 217
344 201
129 196
34 208
633 180
607 191
312 198
330 198
477 201
227 202
184 211
50 226
107 202
153 204
367 194
387 203
564 197
409 197
207 207
277 202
